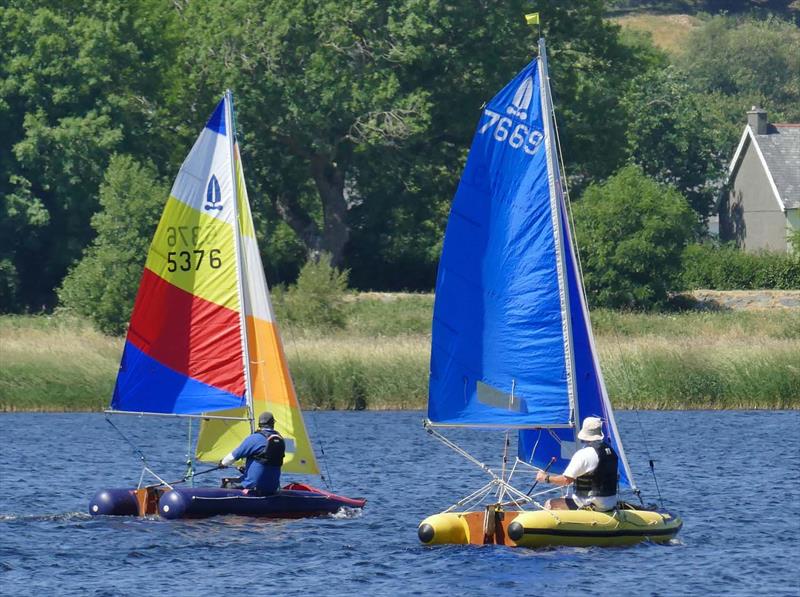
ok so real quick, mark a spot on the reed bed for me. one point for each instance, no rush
(360, 372)
(698, 373)
(55, 364)
(678, 361)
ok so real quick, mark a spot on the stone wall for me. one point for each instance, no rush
(738, 300)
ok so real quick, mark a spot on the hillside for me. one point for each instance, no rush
(668, 31)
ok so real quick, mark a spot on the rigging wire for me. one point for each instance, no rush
(326, 477)
(189, 460)
(652, 464)
(140, 454)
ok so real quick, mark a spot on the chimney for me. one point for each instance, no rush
(757, 119)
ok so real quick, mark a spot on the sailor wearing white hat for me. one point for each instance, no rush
(591, 473)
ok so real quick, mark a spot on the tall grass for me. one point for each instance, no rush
(380, 359)
(669, 32)
(658, 373)
(360, 372)
(55, 363)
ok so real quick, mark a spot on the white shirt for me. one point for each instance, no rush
(585, 461)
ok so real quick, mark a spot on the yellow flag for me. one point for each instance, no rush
(532, 19)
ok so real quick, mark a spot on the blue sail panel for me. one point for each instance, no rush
(498, 346)
(217, 121)
(145, 385)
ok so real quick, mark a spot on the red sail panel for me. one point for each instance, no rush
(188, 334)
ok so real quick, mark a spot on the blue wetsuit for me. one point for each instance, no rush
(257, 475)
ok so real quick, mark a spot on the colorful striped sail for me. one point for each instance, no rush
(202, 338)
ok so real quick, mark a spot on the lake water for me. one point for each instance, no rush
(732, 476)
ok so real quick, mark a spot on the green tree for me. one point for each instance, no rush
(346, 106)
(103, 285)
(80, 80)
(672, 137)
(591, 64)
(631, 232)
(317, 299)
(22, 218)
(316, 82)
(467, 55)
(753, 62)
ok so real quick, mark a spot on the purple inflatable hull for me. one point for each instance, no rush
(293, 501)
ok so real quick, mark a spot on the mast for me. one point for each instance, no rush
(555, 211)
(568, 245)
(240, 269)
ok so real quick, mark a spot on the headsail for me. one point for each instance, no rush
(273, 389)
(512, 345)
(202, 332)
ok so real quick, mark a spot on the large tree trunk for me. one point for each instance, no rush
(329, 179)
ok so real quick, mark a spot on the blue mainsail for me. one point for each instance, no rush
(512, 345)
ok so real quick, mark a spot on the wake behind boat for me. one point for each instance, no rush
(203, 344)
(512, 346)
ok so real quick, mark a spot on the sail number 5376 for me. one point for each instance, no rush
(500, 127)
(192, 260)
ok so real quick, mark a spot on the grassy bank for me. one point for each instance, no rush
(668, 31)
(380, 361)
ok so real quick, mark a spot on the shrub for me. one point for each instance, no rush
(727, 268)
(631, 231)
(317, 299)
(794, 242)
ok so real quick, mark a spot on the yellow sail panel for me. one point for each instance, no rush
(195, 252)
(218, 438)
(246, 218)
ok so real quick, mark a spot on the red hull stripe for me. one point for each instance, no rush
(190, 335)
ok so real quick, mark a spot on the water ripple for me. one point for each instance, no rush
(730, 543)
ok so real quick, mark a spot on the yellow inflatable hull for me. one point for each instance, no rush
(546, 528)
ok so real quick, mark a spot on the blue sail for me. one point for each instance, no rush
(512, 345)
(498, 339)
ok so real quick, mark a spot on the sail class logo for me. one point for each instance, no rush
(522, 99)
(213, 195)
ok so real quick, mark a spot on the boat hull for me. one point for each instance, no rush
(293, 501)
(548, 528)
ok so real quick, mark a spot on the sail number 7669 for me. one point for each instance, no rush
(520, 136)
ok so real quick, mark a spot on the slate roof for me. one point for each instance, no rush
(781, 150)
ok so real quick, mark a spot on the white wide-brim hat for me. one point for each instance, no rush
(591, 430)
